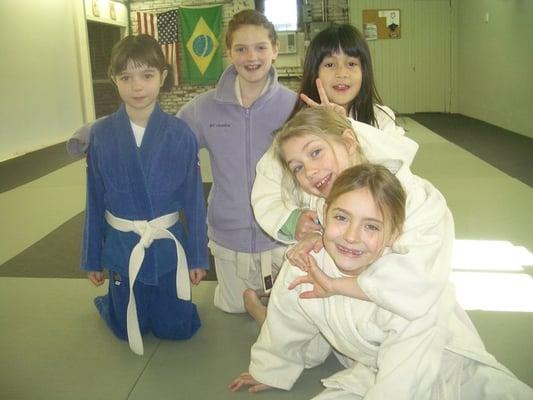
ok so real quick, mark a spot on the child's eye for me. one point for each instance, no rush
(372, 227)
(353, 64)
(123, 78)
(328, 65)
(296, 169)
(340, 217)
(315, 153)
(148, 76)
(240, 49)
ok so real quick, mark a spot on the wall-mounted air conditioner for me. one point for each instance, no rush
(287, 42)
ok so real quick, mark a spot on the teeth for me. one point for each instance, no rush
(321, 183)
(351, 251)
(341, 87)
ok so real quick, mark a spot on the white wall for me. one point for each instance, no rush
(495, 62)
(412, 73)
(43, 96)
(450, 59)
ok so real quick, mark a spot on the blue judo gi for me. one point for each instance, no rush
(160, 177)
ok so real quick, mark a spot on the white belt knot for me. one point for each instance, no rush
(145, 231)
(149, 231)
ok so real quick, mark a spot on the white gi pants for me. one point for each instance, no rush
(237, 272)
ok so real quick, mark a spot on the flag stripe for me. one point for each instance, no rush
(164, 28)
(146, 23)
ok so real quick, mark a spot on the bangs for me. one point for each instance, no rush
(141, 51)
(339, 39)
(139, 60)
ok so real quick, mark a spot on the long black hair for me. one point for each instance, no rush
(331, 40)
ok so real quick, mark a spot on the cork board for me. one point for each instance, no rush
(381, 24)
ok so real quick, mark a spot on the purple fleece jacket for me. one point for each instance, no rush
(236, 137)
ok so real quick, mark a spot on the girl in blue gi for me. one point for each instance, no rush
(142, 172)
(234, 122)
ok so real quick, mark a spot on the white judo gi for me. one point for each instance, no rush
(422, 253)
(437, 356)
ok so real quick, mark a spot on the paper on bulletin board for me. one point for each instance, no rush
(381, 24)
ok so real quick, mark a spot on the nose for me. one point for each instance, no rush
(136, 84)
(340, 71)
(310, 170)
(251, 54)
(352, 233)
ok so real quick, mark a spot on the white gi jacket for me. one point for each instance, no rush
(437, 356)
(422, 253)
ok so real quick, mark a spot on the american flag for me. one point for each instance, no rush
(164, 27)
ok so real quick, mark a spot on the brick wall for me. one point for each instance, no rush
(172, 101)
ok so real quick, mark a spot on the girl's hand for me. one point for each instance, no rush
(245, 379)
(324, 101)
(196, 275)
(322, 283)
(297, 254)
(307, 223)
(96, 277)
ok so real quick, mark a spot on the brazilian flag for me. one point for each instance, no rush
(201, 29)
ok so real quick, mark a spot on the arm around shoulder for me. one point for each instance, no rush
(409, 280)
(78, 143)
(271, 210)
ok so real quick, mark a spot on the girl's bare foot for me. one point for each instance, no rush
(254, 306)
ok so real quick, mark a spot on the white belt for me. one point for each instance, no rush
(149, 231)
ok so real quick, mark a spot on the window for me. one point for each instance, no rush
(283, 14)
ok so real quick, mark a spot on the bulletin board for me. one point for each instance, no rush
(381, 24)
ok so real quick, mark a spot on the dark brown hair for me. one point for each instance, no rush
(141, 50)
(250, 17)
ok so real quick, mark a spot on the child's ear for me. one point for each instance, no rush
(275, 50)
(349, 141)
(163, 77)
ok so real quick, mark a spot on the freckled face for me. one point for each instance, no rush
(315, 162)
(354, 231)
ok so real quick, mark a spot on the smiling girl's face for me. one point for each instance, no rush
(316, 162)
(354, 234)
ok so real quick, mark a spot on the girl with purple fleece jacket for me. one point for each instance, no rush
(235, 123)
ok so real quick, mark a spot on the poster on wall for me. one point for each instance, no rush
(381, 24)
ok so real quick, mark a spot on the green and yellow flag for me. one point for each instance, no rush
(201, 44)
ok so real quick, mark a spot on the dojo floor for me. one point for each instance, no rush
(53, 345)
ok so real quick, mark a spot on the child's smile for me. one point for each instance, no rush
(315, 163)
(354, 231)
(341, 76)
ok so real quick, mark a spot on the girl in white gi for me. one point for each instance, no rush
(234, 122)
(142, 171)
(337, 73)
(438, 356)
